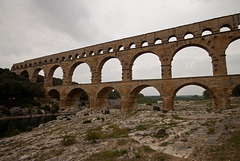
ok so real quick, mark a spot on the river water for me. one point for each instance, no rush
(22, 123)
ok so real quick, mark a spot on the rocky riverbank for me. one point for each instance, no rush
(145, 134)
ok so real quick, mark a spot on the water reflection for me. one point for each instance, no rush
(23, 123)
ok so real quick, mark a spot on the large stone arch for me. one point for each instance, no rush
(51, 72)
(177, 88)
(135, 56)
(73, 97)
(35, 74)
(25, 74)
(53, 94)
(234, 82)
(101, 64)
(188, 46)
(231, 41)
(191, 45)
(72, 69)
(134, 95)
(101, 100)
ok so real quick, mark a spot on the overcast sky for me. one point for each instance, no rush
(35, 28)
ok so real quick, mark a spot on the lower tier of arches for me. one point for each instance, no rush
(219, 87)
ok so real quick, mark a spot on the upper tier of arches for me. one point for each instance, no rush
(173, 35)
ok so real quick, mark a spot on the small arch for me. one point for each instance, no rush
(110, 50)
(104, 96)
(24, 74)
(63, 58)
(172, 38)
(39, 62)
(84, 54)
(225, 29)
(100, 51)
(157, 41)
(30, 64)
(144, 43)
(26, 65)
(51, 60)
(45, 61)
(17, 66)
(57, 60)
(54, 95)
(76, 98)
(132, 46)
(21, 66)
(121, 48)
(77, 56)
(35, 63)
(206, 32)
(188, 35)
(70, 57)
(92, 53)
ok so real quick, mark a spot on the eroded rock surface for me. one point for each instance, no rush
(175, 133)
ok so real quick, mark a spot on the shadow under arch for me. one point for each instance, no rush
(134, 95)
(196, 84)
(235, 96)
(73, 68)
(102, 97)
(146, 53)
(101, 65)
(193, 53)
(54, 95)
(24, 74)
(74, 96)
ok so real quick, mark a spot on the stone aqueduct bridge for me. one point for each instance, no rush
(220, 85)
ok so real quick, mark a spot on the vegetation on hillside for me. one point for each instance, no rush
(18, 91)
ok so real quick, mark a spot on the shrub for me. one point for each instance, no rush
(54, 108)
(29, 128)
(156, 108)
(147, 149)
(87, 121)
(68, 139)
(46, 108)
(141, 128)
(12, 131)
(93, 135)
(177, 117)
(211, 131)
(108, 155)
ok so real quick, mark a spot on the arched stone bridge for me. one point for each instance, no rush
(160, 43)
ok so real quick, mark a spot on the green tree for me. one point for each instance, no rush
(18, 91)
(206, 95)
(114, 95)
